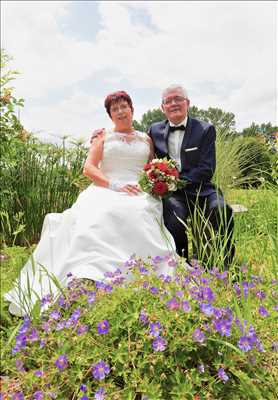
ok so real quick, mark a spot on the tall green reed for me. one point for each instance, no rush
(236, 164)
(38, 179)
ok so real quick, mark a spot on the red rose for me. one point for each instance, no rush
(174, 172)
(162, 167)
(160, 188)
(147, 167)
(152, 175)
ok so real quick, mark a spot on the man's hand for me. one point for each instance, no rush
(96, 133)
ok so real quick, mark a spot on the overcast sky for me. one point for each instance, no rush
(71, 54)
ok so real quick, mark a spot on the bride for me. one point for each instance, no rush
(111, 220)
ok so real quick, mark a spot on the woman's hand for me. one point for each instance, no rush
(132, 190)
(96, 133)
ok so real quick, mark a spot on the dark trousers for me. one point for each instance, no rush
(202, 210)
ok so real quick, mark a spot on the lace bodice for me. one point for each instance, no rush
(124, 156)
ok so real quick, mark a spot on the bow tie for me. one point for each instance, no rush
(177, 128)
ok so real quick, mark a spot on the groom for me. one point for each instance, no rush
(191, 143)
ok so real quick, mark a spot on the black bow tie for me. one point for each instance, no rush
(177, 128)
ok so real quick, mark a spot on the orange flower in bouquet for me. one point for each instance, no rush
(160, 178)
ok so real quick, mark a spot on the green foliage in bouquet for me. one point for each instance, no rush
(196, 335)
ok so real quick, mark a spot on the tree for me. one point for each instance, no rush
(149, 118)
(223, 121)
(10, 126)
(266, 131)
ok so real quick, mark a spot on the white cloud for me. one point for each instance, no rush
(225, 53)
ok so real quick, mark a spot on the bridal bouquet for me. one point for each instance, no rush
(160, 178)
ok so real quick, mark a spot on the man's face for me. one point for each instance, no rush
(175, 106)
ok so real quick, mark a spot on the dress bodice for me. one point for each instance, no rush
(124, 156)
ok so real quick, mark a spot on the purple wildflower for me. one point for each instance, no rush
(60, 325)
(165, 278)
(154, 290)
(82, 329)
(207, 294)
(223, 327)
(100, 369)
(25, 326)
(100, 285)
(38, 395)
(263, 312)
(100, 394)
(157, 259)
(55, 315)
(222, 375)
(245, 343)
(159, 344)
(173, 304)
(186, 306)
(143, 270)
(91, 297)
(155, 328)
(38, 373)
(103, 327)
(83, 388)
(207, 309)
(19, 365)
(198, 336)
(143, 317)
(46, 299)
(172, 262)
(261, 294)
(63, 302)
(21, 341)
(62, 362)
(275, 307)
(33, 336)
(108, 288)
(46, 327)
(84, 397)
(18, 396)
(237, 289)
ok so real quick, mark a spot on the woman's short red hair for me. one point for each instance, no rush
(115, 98)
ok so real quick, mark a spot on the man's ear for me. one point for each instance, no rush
(162, 108)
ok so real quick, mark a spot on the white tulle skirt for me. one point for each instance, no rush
(96, 235)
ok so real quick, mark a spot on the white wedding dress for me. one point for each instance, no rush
(101, 230)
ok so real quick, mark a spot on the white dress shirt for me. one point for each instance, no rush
(174, 143)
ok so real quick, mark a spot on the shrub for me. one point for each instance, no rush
(194, 336)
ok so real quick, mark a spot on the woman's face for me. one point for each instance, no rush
(121, 115)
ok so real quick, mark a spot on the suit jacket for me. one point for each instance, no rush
(197, 153)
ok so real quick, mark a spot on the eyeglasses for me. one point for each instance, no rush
(176, 100)
(122, 107)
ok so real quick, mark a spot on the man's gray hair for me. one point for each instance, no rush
(174, 87)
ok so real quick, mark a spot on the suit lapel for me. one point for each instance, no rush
(185, 141)
(165, 135)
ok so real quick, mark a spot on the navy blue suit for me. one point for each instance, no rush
(197, 169)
